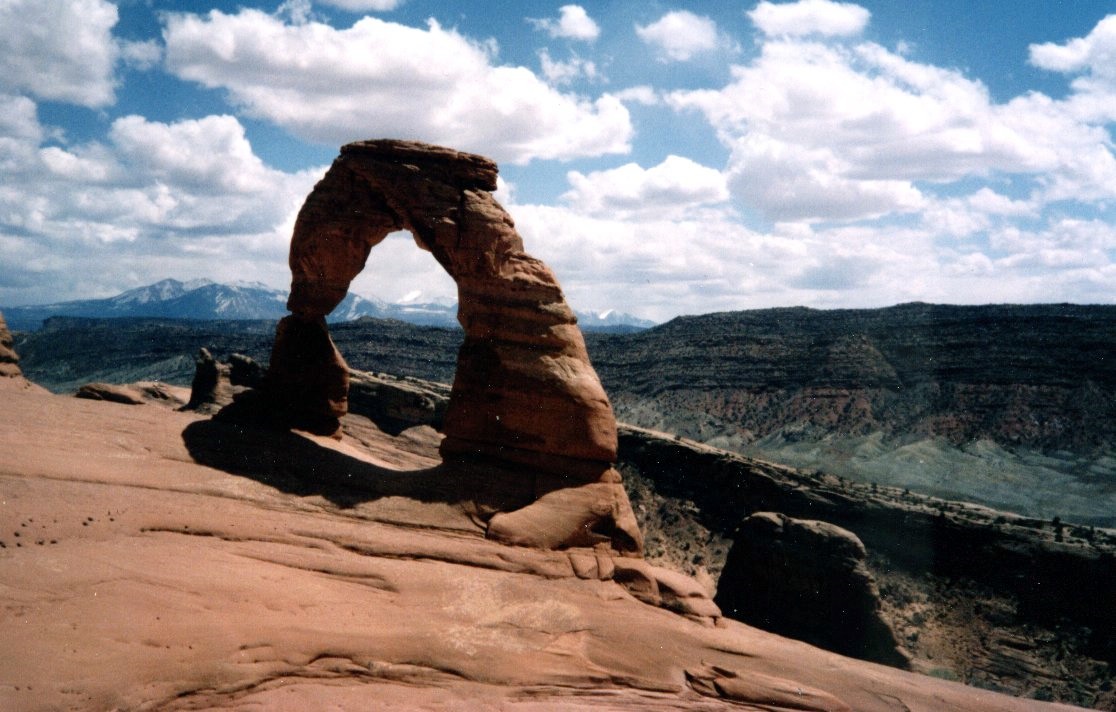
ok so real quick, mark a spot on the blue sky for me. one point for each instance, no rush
(664, 158)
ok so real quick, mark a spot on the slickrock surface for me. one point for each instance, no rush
(150, 559)
(524, 391)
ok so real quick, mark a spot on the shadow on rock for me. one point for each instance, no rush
(297, 465)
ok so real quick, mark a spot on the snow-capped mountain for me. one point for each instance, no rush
(205, 299)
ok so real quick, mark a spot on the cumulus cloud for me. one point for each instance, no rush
(61, 50)
(679, 35)
(572, 23)
(384, 79)
(1089, 52)
(559, 73)
(974, 213)
(821, 131)
(641, 94)
(141, 55)
(659, 266)
(364, 5)
(188, 198)
(809, 17)
(675, 184)
(1093, 56)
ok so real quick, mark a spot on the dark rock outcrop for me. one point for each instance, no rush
(395, 404)
(216, 384)
(807, 580)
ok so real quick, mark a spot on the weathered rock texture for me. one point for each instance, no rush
(135, 393)
(9, 359)
(807, 580)
(216, 384)
(524, 391)
(362, 589)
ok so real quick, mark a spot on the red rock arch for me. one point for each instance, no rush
(524, 391)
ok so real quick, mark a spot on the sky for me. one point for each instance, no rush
(663, 158)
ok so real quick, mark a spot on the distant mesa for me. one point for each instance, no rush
(524, 394)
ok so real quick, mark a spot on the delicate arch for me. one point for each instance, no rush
(524, 389)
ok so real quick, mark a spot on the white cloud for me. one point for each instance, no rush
(676, 184)
(818, 130)
(679, 35)
(1090, 52)
(364, 5)
(791, 181)
(381, 79)
(641, 94)
(559, 73)
(59, 50)
(141, 55)
(184, 199)
(1094, 93)
(974, 213)
(808, 17)
(20, 133)
(572, 23)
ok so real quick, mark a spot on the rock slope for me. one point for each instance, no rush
(157, 560)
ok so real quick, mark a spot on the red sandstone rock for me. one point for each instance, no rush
(153, 559)
(9, 359)
(524, 391)
(11, 376)
(523, 380)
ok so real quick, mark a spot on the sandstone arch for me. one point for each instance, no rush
(524, 390)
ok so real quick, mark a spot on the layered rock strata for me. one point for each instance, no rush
(524, 392)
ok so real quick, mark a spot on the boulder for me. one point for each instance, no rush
(807, 580)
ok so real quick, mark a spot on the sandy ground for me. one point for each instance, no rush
(154, 560)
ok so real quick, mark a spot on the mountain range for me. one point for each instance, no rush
(204, 299)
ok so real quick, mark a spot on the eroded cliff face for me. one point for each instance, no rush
(524, 394)
(1035, 375)
(1010, 406)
